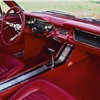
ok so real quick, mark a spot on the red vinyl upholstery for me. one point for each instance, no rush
(9, 65)
(41, 89)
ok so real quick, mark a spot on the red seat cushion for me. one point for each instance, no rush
(41, 89)
(9, 65)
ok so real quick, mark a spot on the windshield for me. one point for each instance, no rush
(3, 6)
(80, 8)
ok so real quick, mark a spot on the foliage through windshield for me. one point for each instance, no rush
(80, 8)
(3, 6)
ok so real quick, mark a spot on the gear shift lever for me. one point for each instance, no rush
(52, 51)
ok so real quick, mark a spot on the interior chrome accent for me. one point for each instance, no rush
(12, 38)
(89, 39)
(64, 53)
(60, 59)
(52, 57)
(19, 54)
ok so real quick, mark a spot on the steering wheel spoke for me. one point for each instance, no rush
(13, 38)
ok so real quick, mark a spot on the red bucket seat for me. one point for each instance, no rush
(9, 65)
(41, 89)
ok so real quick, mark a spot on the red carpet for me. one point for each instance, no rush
(82, 79)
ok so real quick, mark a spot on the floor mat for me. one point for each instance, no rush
(82, 79)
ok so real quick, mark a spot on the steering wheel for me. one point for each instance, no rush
(18, 27)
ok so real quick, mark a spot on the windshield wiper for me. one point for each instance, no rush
(60, 13)
(95, 20)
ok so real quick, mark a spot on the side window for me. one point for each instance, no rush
(4, 7)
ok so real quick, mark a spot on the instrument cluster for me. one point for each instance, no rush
(39, 26)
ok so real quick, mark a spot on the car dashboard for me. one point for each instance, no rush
(52, 46)
(84, 34)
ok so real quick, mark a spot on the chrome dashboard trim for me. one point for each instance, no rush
(83, 42)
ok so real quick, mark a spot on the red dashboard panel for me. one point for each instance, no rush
(83, 26)
(69, 25)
